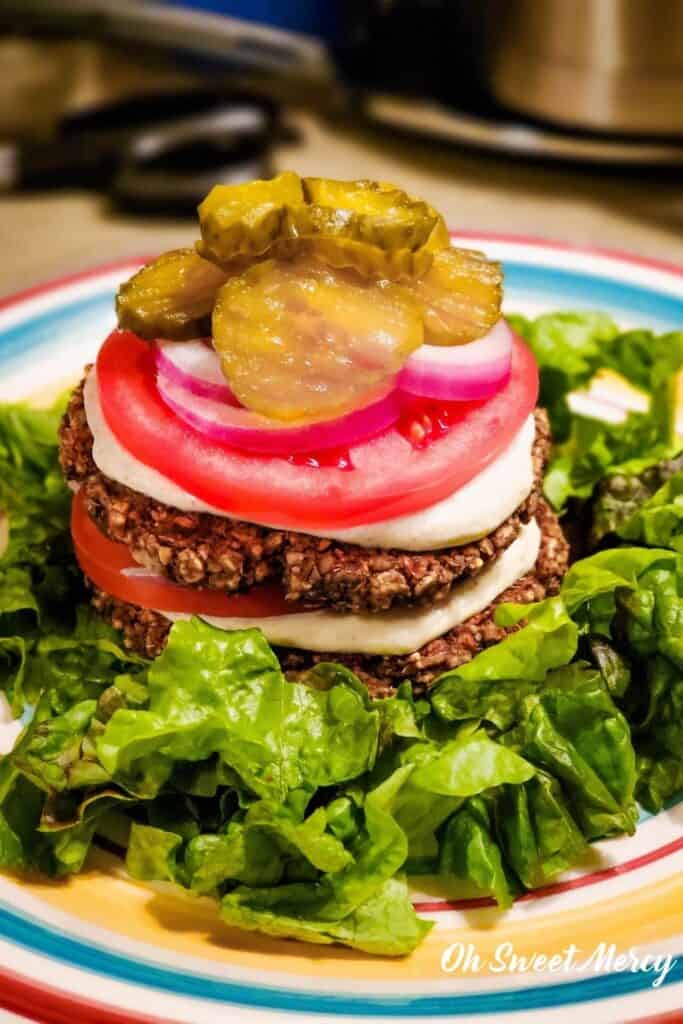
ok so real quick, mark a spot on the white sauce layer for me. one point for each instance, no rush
(394, 632)
(470, 513)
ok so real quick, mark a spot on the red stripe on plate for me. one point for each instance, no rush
(491, 236)
(62, 282)
(48, 1005)
(674, 1017)
(435, 906)
(588, 250)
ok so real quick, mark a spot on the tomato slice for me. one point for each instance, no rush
(388, 475)
(103, 561)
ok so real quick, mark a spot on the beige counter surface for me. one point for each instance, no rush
(46, 235)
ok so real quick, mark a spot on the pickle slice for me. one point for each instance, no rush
(245, 220)
(301, 341)
(364, 211)
(461, 294)
(372, 262)
(369, 261)
(371, 227)
(170, 298)
(439, 238)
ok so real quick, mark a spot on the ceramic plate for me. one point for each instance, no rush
(102, 948)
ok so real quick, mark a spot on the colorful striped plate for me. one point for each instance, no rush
(102, 948)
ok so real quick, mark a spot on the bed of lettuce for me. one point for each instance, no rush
(301, 805)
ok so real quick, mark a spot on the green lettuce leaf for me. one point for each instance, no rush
(81, 664)
(647, 360)
(22, 846)
(260, 847)
(589, 588)
(213, 692)
(26, 844)
(491, 684)
(51, 749)
(660, 776)
(238, 854)
(32, 490)
(560, 719)
(632, 600)
(597, 449)
(152, 853)
(401, 716)
(42, 643)
(363, 904)
(569, 348)
(308, 838)
(70, 846)
(469, 850)
(385, 924)
(537, 832)
(433, 779)
(419, 813)
(659, 521)
(614, 667)
(618, 498)
(572, 729)
(468, 765)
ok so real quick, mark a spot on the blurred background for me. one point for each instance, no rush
(540, 117)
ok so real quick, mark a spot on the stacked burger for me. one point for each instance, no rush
(315, 423)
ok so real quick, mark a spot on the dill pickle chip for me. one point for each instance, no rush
(171, 297)
(461, 294)
(302, 341)
(370, 261)
(364, 211)
(394, 264)
(372, 227)
(245, 220)
(439, 238)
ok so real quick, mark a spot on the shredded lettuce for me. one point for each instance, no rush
(659, 521)
(300, 804)
(642, 507)
(570, 349)
(628, 603)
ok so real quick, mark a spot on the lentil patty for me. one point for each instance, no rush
(146, 631)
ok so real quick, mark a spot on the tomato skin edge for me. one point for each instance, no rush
(102, 561)
(265, 490)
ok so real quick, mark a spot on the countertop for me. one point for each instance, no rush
(45, 235)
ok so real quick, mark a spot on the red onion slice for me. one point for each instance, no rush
(142, 573)
(241, 428)
(194, 365)
(460, 372)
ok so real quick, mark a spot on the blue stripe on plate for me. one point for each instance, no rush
(521, 279)
(45, 328)
(565, 286)
(585, 289)
(38, 938)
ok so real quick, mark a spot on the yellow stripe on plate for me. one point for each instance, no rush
(188, 925)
